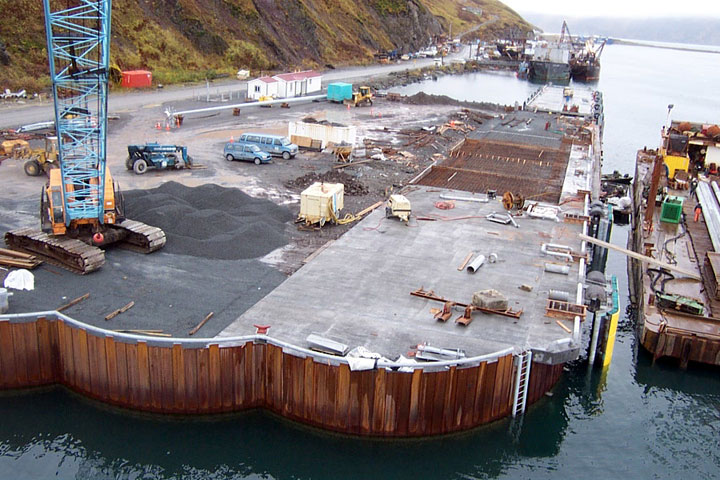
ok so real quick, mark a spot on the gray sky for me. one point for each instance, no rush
(615, 8)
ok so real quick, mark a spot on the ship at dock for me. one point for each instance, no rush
(675, 271)
(585, 62)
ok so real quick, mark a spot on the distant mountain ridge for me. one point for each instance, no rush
(181, 40)
(692, 30)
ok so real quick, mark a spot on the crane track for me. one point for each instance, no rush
(69, 253)
(141, 237)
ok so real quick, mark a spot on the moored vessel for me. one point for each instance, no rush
(676, 228)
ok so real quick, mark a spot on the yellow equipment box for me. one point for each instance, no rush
(321, 202)
(676, 163)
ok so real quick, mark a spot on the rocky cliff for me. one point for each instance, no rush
(181, 40)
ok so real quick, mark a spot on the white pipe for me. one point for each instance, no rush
(475, 264)
(544, 249)
(465, 199)
(594, 340)
(251, 104)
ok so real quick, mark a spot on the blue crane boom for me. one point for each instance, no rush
(78, 43)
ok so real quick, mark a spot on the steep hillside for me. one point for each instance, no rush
(182, 40)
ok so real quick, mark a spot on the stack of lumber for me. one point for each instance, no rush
(11, 258)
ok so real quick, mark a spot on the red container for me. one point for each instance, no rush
(136, 79)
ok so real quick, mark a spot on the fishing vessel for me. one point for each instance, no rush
(675, 275)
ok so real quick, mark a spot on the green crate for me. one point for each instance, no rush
(671, 209)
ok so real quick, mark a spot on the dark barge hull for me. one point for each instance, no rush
(543, 72)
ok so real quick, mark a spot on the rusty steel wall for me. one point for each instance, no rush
(165, 377)
(479, 165)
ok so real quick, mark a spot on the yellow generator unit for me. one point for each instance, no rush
(321, 202)
(398, 206)
(675, 163)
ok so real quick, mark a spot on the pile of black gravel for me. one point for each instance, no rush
(352, 185)
(210, 221)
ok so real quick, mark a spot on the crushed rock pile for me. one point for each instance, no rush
(353, 187)
(210, 221)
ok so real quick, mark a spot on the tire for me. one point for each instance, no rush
(286, 155)
(129, 163)
(32, 168)
(140, 166)
(229, 157)
(189, 160)
(257, 161)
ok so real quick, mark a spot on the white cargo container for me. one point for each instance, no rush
(321, 202)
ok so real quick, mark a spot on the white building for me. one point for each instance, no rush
(285, 85)
(262, 87)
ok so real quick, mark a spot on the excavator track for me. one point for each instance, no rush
(68, 253)
(141, 237)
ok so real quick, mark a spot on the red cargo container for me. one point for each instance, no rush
(136, 79)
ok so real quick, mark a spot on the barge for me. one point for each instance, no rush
(675, 225)
(380, 333)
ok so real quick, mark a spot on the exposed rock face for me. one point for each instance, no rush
(173, 37)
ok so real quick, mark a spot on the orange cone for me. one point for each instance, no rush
(167, 127)
(232, 139)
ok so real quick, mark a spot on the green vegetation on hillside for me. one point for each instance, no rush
(187, 40)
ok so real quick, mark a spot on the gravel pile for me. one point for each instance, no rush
(210, 221)
(352, 185)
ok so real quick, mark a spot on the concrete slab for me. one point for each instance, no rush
(357, 291)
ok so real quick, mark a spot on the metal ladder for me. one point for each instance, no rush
(522, 377)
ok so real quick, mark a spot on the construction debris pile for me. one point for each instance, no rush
(210, 221)
(352, 185)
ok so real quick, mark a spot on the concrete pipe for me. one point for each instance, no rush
(561, 295)
(475, 264)
(555, 268)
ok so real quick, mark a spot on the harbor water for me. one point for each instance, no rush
(634, 420)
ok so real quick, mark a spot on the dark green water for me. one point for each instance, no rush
(637, 420)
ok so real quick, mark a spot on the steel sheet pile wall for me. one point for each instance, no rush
(172, 378)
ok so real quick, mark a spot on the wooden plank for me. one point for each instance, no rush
(277, 380)
(441, 381)
(167, 391)
(214, 397)
(289, 384)
(45, 350)
(56, 362)
(123, 380)
(308, 387)
(248, 376)
(99, 375)
(190, 363)
(18, 341)
(353, 425)
(390, 407)
(143, 370)
(478, 406)
(470, 384)
(367, 392)
(8, 367)
(413, 410)
(178, 378)
(450, 396)
(488, 392)
(259, 380)
(82, 362)
(226, 378)
(67, 359)
(425, 403)
(32, 352)
(134, 395)
(203, 380)
(329, 410)
(378, 399)
(239, 399)
(73, 302)
(155, 378)
(111, 369)
(319, 393)
(342, 400)
(92, 364)
(403, 382)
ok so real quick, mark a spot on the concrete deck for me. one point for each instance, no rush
(551, 99)
(357, 291)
